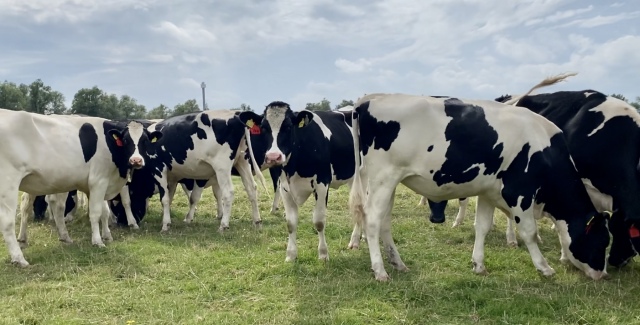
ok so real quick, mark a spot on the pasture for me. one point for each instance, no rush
(194, 275)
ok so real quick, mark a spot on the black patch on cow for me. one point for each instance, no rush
(431, 171)
(88, 141)
(70, 202)
(378, 134)
(503, 98)
(39, 208)
(430, 148)
(204, 118)
(517, 219)
(471, 141)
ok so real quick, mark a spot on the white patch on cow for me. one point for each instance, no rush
(588, 93)
(602, 202)
(275, 115)
(614, 107)
(135, 132)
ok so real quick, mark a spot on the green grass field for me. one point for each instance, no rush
(194, 275)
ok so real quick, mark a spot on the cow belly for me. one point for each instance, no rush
(427, 187)
(601, 201)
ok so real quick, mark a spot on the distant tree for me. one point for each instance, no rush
(159, 112)
(189, 106)
(619, 96)
(343, 104)
(636, 104)
(323, 105)
(243, 108)
(90, 101)
(11, 97)
(128, 108)
(43, 100)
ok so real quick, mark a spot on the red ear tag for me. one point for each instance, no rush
(118, 140)
(634, 232)
(255, 129)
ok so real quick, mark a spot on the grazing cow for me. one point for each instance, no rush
(66, 203)
(603, 135)
(54, 154)
(314, 150)
(197, 146)
(447, 148)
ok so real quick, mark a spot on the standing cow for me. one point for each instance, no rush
(447, 148)
(198, 146)
(54, 154)
(314, 150)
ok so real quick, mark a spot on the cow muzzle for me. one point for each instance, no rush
(136, 162)
(274, 158)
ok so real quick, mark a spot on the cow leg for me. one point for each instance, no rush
(26, 206)
(528, 230)
(376, 209)
(291, 214)
(226, 196)
(72, 199)
(275, 178)
(194, 198)
(166, 197)
(126, 203)
(621, 251)
(484, 217)
(462, 212)
(96, 201)
(250, 186)
(217, 194)
(106, 232)
(565, 240)
(423, 201)
(56, 204)
(8, 203)
(356, 234)
(387, 239)
(319, 219)
(511, 234)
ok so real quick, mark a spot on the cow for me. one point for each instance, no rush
(54, 154)
(314, 150)
(603, 136)
(199, 146)
(447, 148)
(66, 203)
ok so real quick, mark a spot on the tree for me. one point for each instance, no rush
(323, 105)
(343, 104)
(243, 108)
(620, 96)
(189, 106)
(89, 101)
(11, 97)
(160, 112)
(636, 104)
(43, 100)
(128, 108)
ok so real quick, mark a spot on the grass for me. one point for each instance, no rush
(194, 275)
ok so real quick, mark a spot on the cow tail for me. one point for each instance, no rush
(544, 83)
(253, 161)
(357, 194)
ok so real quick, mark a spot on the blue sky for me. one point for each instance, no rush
(258, 51)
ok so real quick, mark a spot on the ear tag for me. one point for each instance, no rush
(589, 225)
(255, 129)
(154, 139)
(634, 232)
(301, 124)
(118, 141)
(250, 123)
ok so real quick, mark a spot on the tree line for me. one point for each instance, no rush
(40, 98)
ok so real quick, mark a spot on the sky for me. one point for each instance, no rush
(301, 51)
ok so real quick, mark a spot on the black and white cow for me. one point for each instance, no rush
(66, 203)
(202, 146)
(603, 136)
(54, 154)
(447, 148)
(315, 150)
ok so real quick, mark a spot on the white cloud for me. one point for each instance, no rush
(602, 20)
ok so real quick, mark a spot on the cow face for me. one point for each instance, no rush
(589, 243)
(278, 129)
(134, 142)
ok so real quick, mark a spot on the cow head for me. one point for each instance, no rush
(133, 141)
(277, 127)
(589, 243)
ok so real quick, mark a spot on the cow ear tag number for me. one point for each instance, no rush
(118, 140)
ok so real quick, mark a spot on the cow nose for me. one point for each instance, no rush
(273, 157)
(136, 161)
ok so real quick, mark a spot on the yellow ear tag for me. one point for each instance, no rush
(154, 139)
(301, 124)
(250, 123)
(590, 220)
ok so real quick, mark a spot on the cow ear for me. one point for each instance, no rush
(116, 137)
(155, 136)
(249, 118)
(303, 118)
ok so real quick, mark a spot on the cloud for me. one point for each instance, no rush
(602, 20)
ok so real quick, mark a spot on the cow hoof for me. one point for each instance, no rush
(382, 277)
(324, 258)
(66, 240)
(274, 211)
(23, 244)
(564, 260)
(108, 238)
(539, 239)
(222, 229)
(99, 244)
(187, 220)
(512, 244)
(400, 267)
(548, 272)
(68, 219)
(353, 246)
(455, 224)
(134, 226)
(20, 262)
(291, 256)
(258, 224)
(165, 228)
(479, 269)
